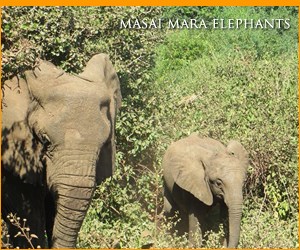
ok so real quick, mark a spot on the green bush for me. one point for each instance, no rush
(124, 211)
(53, 34)
(240, 84)
(261, 230)
(251, 98)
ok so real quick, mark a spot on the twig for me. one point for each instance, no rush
(24, 230)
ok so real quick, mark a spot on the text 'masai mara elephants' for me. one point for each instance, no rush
(58, 134)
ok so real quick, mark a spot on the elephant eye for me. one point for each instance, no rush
(219, 183)
(45, 139)
(231, 153)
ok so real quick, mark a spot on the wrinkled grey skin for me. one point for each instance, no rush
(203, 182)
(57, 144)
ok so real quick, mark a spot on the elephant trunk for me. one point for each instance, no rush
(73, 188)
(235, 215)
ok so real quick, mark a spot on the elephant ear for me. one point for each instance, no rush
(191, 177)
(236, 149)
(100, 69)
(42, 78)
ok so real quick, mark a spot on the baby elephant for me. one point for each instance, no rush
(203, 182)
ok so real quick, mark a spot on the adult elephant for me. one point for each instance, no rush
(203, 181)
(58, 137)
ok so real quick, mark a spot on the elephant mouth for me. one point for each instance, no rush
(220, 196)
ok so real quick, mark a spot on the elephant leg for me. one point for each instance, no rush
(216, 216)
(167, 203)
(170, 209)
(197, 223)
(195, 232)
(225, 222)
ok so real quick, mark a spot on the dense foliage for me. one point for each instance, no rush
(239, 83)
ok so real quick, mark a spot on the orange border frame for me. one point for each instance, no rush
(163, 3)
(149, 3)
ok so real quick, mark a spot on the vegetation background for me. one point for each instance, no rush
(239, 83)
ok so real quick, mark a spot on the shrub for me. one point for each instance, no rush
(241, 85)
(252, 98)
(260, 230)
(124, 212)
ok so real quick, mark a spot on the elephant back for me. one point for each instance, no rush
(208, 143)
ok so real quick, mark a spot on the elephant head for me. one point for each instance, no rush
(73, 118)
(225, 172)
(208, 170)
